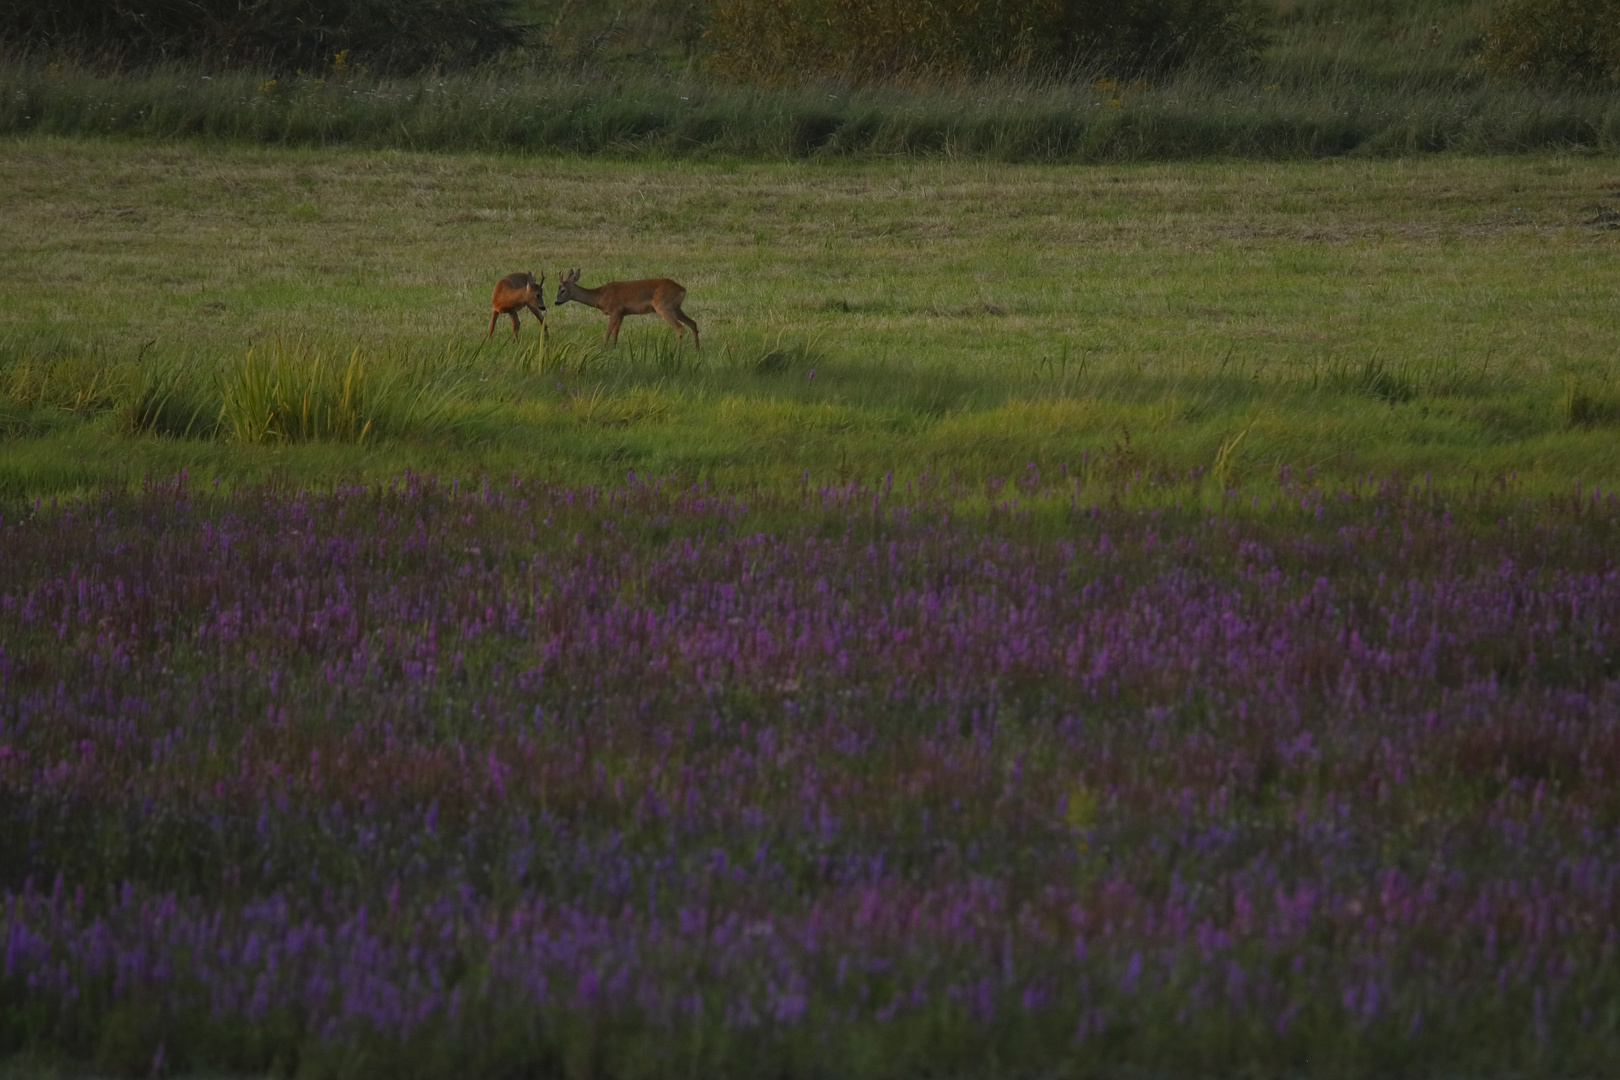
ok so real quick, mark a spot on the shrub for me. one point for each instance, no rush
(395, 35)
(1563, 41)
(1161, 34)
(776, 40)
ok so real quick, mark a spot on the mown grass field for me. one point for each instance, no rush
(1455, 317)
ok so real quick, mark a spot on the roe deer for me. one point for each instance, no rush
(513, 293)
(617, 299)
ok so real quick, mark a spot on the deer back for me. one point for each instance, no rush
(639, 297)
(517, 290)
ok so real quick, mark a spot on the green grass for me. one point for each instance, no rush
(1153, 324)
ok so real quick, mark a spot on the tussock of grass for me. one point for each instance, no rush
(780, 357)
(174, 397)
(78, 384)
(640, 406)
(289, 394)
(1589, 404)
(274, 394)
(769, 419)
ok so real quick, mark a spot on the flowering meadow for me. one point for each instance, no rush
(891, 780)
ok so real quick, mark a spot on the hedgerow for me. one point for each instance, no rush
(388, 35)
(779, 40)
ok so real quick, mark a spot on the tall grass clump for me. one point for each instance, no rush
(1587, 404)
(75, 382)
(286, 393)
(172, 396)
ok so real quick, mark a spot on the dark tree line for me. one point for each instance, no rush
(387, 35)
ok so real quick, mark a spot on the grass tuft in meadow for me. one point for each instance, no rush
(286, 393)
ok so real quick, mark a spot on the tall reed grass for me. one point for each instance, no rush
(287, 393)
(279, 394)
(171, 397)
(1301, 106)
(283, 392)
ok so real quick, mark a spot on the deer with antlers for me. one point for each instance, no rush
(617, 299)
(513, 293)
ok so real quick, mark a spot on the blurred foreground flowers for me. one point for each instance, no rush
(865, 781)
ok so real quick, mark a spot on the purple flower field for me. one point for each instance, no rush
(862, 782)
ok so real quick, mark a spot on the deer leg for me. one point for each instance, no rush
(613, 329)
(669, 317)
(492, 317)
(696, 344)
(513, 313)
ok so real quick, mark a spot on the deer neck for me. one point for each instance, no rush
(583, 295)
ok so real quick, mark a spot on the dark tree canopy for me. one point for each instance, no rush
(390, 35)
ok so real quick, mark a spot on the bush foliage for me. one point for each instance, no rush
(389, 35)
(1563, 41)
(773, 40)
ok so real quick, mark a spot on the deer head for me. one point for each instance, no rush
(566, 281)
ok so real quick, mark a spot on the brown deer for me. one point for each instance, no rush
(513, 293)
(617, 299)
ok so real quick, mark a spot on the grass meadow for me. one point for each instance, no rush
(1441, 316)
(1069, 621)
